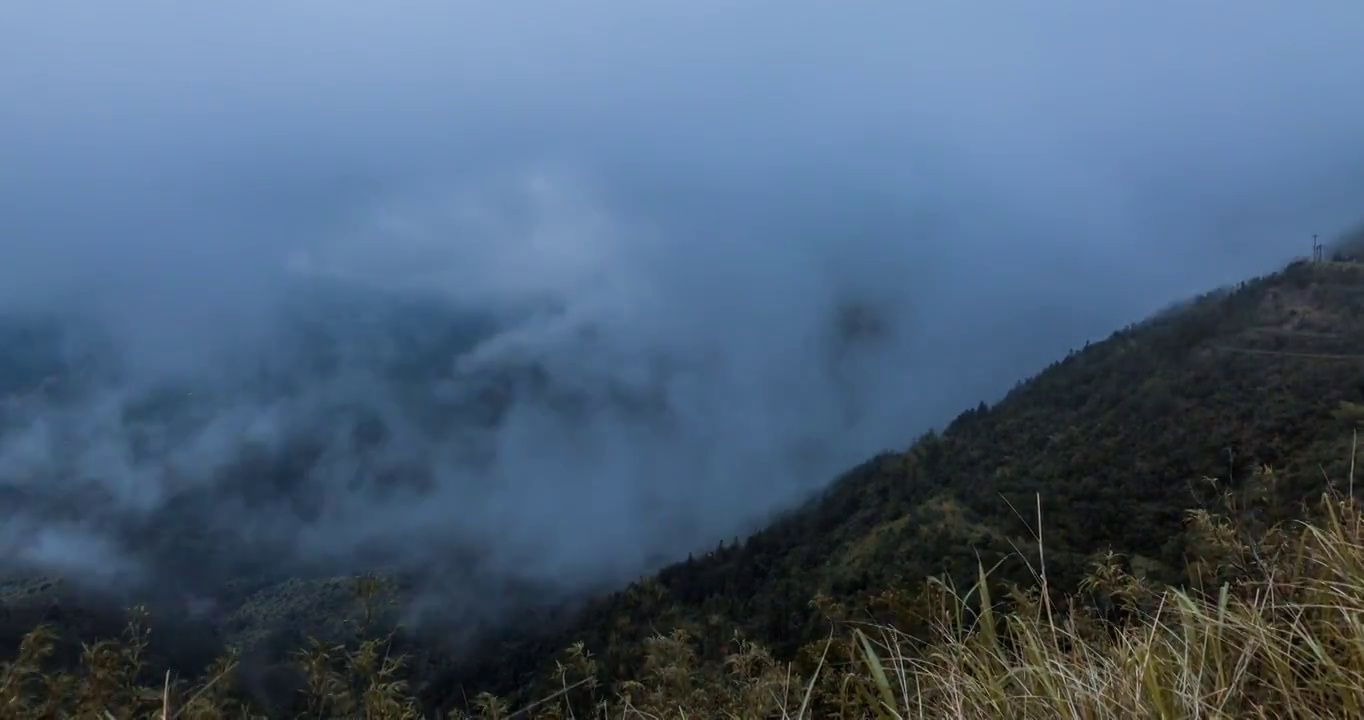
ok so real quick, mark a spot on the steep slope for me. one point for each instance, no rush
(1116, 442)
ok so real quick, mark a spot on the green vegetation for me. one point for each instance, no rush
(1138, 531)
(1117, 439)
(1276, 632)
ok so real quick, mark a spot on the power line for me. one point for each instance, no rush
(1295, 333)
(1284, 353)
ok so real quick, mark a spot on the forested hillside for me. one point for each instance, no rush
(1116, 442)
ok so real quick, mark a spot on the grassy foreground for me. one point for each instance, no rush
(1271, 625)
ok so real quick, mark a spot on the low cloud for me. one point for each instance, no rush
(567, 294)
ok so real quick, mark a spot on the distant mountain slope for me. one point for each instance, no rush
(1116, 441)
(345, 369)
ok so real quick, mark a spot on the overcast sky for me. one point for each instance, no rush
(999, 181)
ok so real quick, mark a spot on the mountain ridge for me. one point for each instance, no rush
(1214, 389)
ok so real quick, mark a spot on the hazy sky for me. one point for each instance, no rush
(999, 181)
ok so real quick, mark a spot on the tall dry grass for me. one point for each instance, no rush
(1283, 639)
